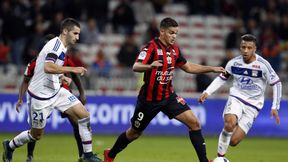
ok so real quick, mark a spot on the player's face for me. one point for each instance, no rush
(248, 50)
(168, 35)
(73, 35)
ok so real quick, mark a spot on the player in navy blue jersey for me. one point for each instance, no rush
(158, 60)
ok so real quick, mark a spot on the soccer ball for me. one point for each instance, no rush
(220, 159)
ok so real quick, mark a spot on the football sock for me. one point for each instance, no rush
(223, 142)
(30, 148)
(199, 144)
(21, 139)
(119, 145)
(85, 134)
(77, 138)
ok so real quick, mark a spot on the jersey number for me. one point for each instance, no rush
(38, 116)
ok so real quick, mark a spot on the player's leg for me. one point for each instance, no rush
(143, 114)
(68, 103)
(177, 108)
(244, 125)
(195, 133)
(232, 112)
(30, 150)
(77, 136)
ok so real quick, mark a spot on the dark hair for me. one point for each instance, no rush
(168, 22)
(68, 24)
(249, 38)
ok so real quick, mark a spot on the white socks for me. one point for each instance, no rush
(223, 142)
(21, 139)
(85, 134)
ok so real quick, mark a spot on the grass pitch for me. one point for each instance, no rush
(62, 148)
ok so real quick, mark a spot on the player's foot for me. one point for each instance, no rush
(92, 158)
(106, 157)
(8, 152)
(29, 158)
(210, 160)
(81, 159)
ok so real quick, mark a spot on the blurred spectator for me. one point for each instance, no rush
(4, 53)
(123, 18)
(128, 52)
(152, 31)
(229, 54)
(99, 10)
(76, 57)
(144, 11)
(159, 4)
(33, 44)
(252, 27)
(232, 40)
(55, 24)
(89, 32)
(202, 80)
(102, 66)
(270, 47)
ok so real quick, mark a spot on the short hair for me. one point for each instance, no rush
(168, 22)
(68, 24)
(249, 38)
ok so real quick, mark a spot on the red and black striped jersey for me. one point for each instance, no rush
(29, 72)
(158, 81)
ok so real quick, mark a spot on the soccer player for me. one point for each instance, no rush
(46, 93)
(158, 60)
(251, 73)
(24, 86)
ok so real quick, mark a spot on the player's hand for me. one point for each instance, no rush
(156, 64)
(274, 113)
(79, 70)
(18, 105)
(202, 97)
(82, 99)
(66, 80)
(219, 69)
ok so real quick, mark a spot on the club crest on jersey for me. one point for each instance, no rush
(159, 51)
(180, 100)
(254, 73)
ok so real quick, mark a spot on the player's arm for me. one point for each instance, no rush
(277, 93)
(196, 68)
(140, 67)
(214, 86)
(80, 88)
(23, 88)
(52, 68)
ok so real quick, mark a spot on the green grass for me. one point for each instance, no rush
(62, 148)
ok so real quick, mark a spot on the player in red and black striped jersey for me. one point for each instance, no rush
(28, 74)
(158, 60)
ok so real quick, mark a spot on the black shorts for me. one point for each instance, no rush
(145, 111)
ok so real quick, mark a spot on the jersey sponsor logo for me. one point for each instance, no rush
(246, 72)
(256, 66)
(164, 77)
(142, 55)
(159, 51)
(246, 83)
(237, 64)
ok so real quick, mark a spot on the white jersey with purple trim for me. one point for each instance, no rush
(44, 85)
(250, 80)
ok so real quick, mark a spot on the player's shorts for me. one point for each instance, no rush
(41, 109)
(246, 114)
(145, 111)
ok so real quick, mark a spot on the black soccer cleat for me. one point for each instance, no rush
(8, 152)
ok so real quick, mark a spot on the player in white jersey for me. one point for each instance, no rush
(46, 93)
(251, 73)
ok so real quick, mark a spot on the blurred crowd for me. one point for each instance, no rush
(24, 22)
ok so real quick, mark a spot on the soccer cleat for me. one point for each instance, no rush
(8, 152)
(81, 159)
(106, 157)
(29, 158)
(92, 158)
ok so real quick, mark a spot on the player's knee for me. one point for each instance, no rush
(194, 125)
(234, 142)
(133, 134)
(229, 126)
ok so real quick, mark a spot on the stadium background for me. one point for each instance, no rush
(112, 30)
